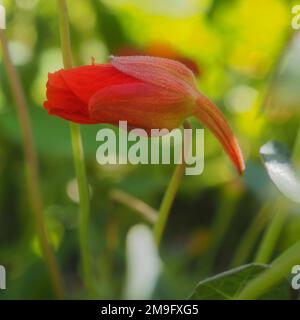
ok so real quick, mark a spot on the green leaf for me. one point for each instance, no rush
(276, 158)
(227, 285)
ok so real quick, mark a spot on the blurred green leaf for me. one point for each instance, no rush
(276, 158)
(227, 285)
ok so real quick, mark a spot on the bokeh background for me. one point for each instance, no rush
(246, 57)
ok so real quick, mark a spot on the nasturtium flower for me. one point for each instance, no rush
(147, 92)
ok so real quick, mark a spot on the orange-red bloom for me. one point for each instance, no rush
(147, 92)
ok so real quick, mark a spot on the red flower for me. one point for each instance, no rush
(147, 92)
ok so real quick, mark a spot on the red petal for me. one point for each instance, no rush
(60, 97)
(169, 74)
(71, 116)
(214, 120)
(141, 104)
(85, 81)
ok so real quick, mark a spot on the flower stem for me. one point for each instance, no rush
(78, 156)
(272, 233)
(32, 170)
(168, 198)
(64, 30)
(84, 205)
(142, 208)
(279, 270)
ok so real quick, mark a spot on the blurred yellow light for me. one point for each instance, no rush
(240, 98)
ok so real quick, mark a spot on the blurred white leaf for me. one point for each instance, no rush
(143, 263)
(276, 159)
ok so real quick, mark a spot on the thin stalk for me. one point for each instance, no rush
(78, 156)
(250, 237)
(272, 233)
(279, 270)
(142, 208)
(32, 170)
(168, 199)
(84, 206)
(64, 31)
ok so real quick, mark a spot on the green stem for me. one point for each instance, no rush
(84, 205)
(64, 30)
(78, 156)
(279, 270)
(168, 199)
(142, 208)
(32, 170)
(250, 237)
(272, 233)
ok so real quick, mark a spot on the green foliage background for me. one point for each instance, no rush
(244, 54)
